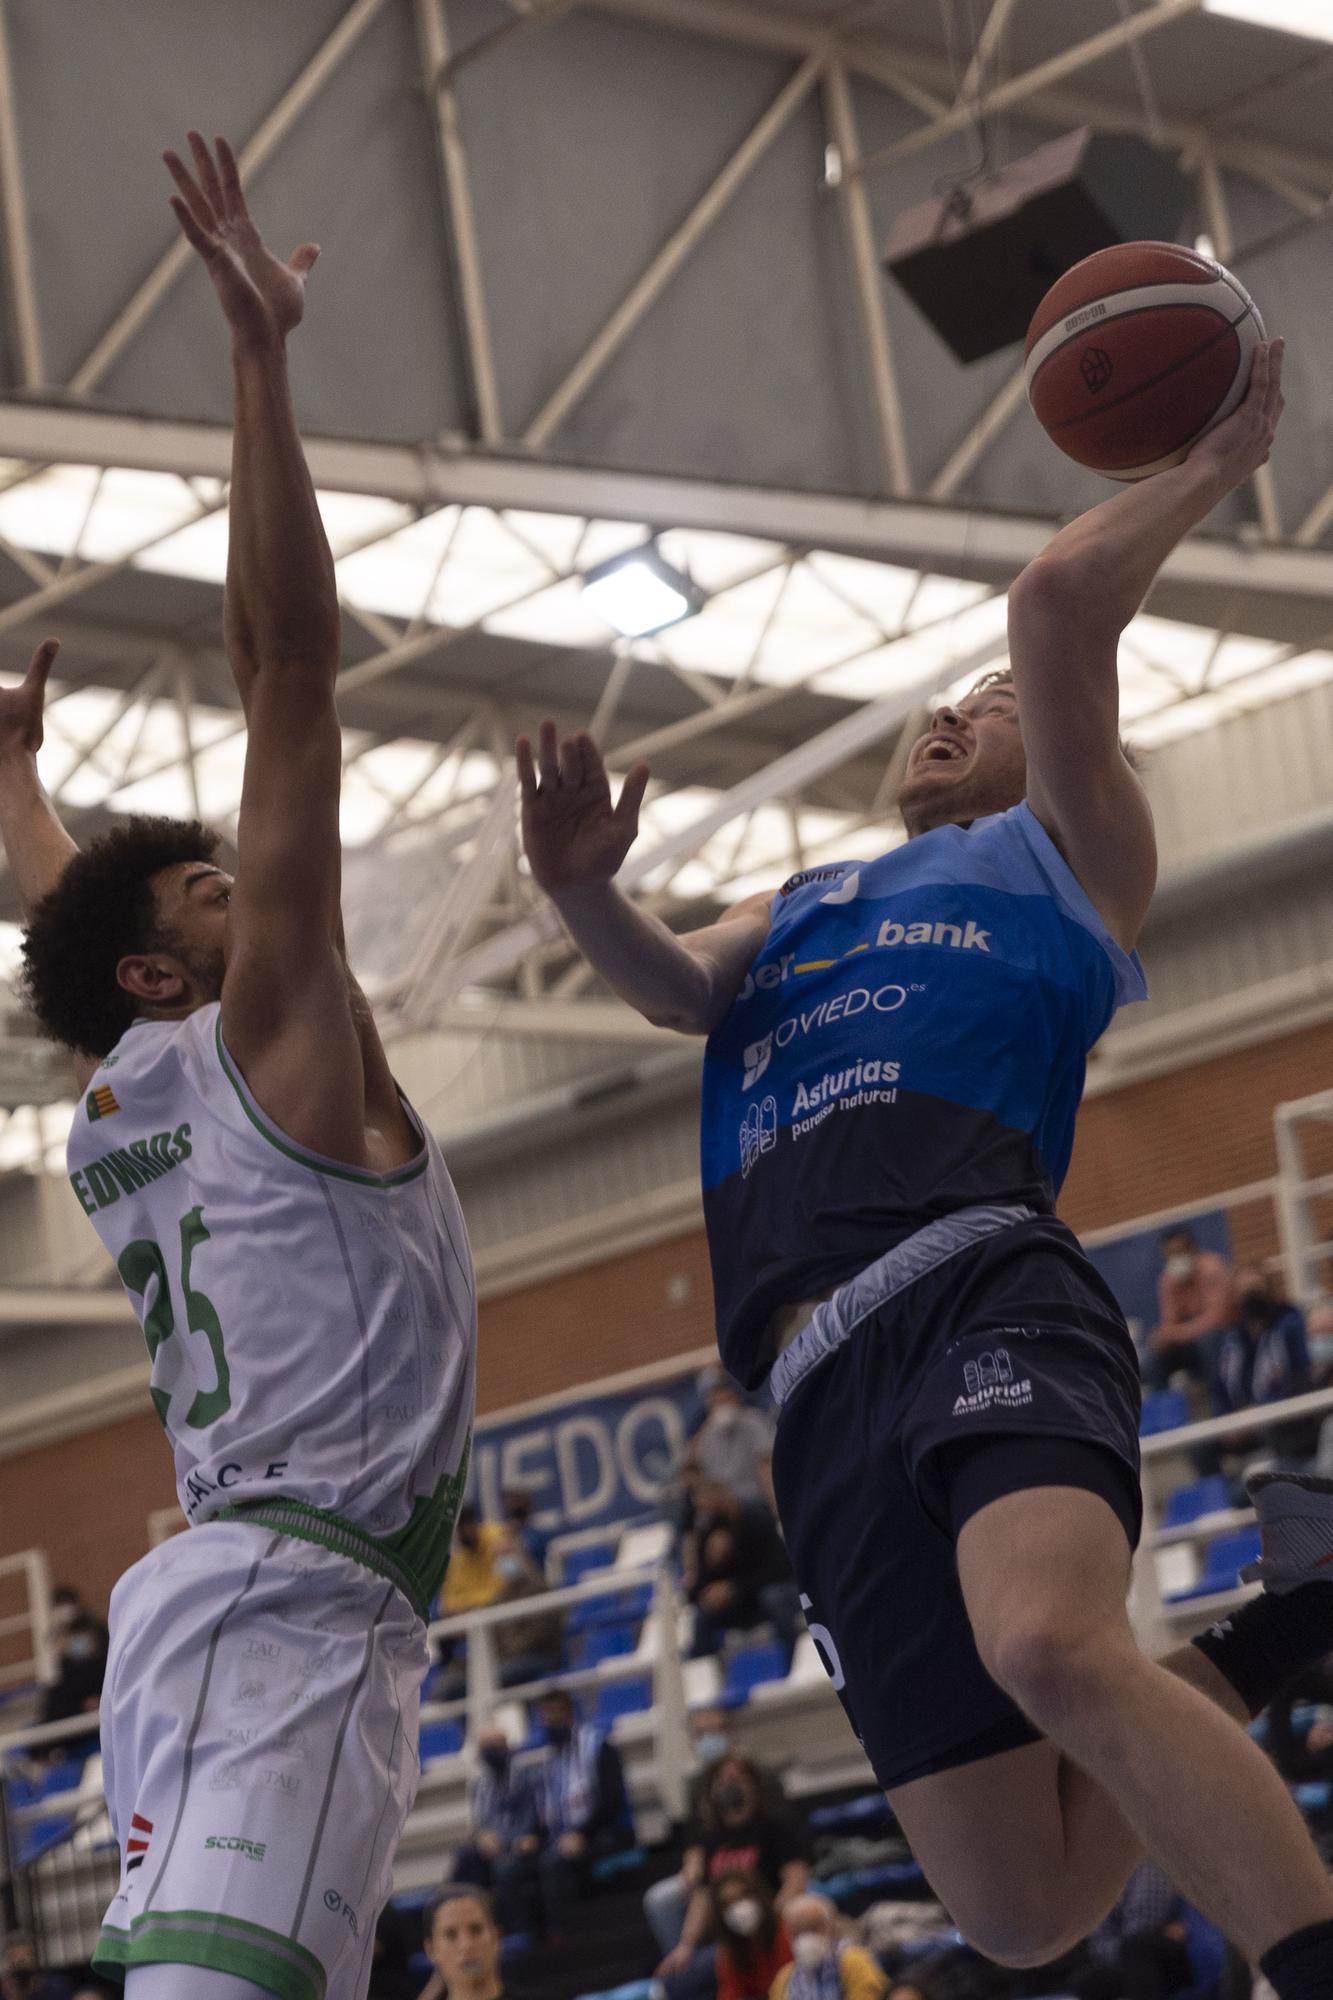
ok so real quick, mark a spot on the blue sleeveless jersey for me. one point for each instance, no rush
(911, 1039)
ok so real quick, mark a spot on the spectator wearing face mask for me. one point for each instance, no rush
(585, 1807)
(743, 1574)
(752, 1943)
(826, 1965)
(21, 1978)
(506, 1833)
(737, 1834)
(1263, 1358)
(472, 1580)
(517, 1507)
(1195, 1306)
(733, 1446)
(526, 1649)
(713, 1737)
(81, 1641)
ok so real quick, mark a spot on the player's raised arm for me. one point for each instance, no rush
(1066, 614)
(575, 840)
(37, 846)
(284, 1004)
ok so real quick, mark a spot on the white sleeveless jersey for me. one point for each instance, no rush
(311, 1326)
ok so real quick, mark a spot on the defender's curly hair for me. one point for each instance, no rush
(99, 912)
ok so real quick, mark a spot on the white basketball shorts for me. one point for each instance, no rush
(259, 1736)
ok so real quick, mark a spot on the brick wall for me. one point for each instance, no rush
(1152, 1146)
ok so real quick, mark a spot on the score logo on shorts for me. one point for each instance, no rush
(234, 1843)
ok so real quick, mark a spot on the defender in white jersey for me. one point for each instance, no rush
(289, 1237)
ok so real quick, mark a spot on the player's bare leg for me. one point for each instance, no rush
(1043, 1574)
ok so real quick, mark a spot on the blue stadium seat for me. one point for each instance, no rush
(608, 1642)
(623, 1698)
(1314, 1797)
(1224, 1557)
(577, 1562)
(609, 1867)
(750, 1667)
(440, 1739)
(1163, 1410)
(1192, 1502)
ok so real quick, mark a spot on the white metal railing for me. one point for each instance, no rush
(34, 1619)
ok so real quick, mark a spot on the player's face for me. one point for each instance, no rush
(193, 899)
(970, 762)
(464, 1944)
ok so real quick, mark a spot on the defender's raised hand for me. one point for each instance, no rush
(21, 707)
(262, 297)
(573, 836)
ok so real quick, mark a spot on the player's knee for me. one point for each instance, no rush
(1027, 1929)
(1045, 1663)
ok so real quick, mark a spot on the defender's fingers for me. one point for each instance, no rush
(207, 172)
(302, 261)
(571, 764)
(195, 199)
(631, 794)
(590, 758)
(230, 175)
(548, 762)
(39, 666)
(200, 238)
(527, 770)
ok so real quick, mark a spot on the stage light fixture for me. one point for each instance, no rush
(640, 593)
(1312, 18)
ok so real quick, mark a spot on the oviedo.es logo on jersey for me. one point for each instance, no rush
(841, 1007)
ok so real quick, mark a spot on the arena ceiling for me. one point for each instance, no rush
(591, 272)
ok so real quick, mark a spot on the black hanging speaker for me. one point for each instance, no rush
(979, 260)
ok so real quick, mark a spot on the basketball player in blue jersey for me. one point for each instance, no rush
(895, 1055)
(288, 1235)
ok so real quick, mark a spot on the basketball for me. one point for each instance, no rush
(1136, 353)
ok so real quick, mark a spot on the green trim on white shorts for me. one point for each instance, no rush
(221, 1944)
(331, 1531)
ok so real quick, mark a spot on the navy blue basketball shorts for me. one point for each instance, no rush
(998, 1361)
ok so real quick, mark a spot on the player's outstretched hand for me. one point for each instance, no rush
(21, 707)
(262, 297)
(1240, 445)
(573, 836)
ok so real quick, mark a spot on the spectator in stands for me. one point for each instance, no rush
(505, 1837)
(21, 1978)
(828, 1966)
(463, 1944)
(1263, 1357)
(584, 1806)
(733, 1446)
(517, 1507)
(526, 1649)
(82, 1643)
(735, 1832)
(472, 1580)
(752, 1943)
(713, 1735)
(1195, 1306)
(1138, 1952)
(741, 1575)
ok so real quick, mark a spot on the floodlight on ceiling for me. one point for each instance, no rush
(1312, 18)
(640, 593)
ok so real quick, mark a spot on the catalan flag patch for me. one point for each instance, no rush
(102, 1102)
